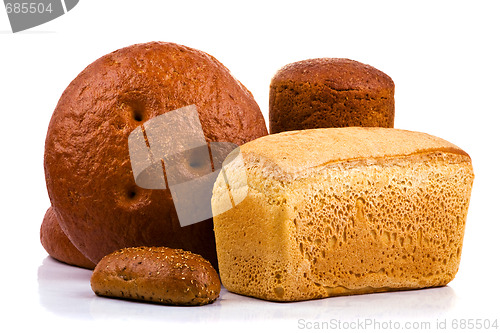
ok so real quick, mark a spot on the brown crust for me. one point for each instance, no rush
(157, 274)
(337, 73)
(297, 152)
(330, 92)
(57, 244)
(87, 166)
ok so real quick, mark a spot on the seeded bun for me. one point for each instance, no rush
(330, 92)
(156, 274)
(87, 165)
(57, 244)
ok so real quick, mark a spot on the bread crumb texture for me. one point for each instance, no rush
(334, 221)
(156, 274)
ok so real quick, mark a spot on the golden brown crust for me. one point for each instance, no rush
(87, 165)
(330, 92)
(57, 244)
(342, 211)
(298, 151)
(156, 274)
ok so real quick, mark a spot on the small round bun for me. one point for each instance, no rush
(156, 274)
(330, 92)
(87, 164)
(57, 244)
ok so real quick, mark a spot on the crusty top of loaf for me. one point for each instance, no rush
(295, 151)
(338, 73)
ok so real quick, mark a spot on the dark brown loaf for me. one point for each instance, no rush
(330, 92)
(87, 165)
(156, 274)
(57, 244)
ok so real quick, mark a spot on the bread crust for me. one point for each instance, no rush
(343, 211)
(292, 153)
(156, 274)
(57, 244)
(87, 165)
(330, 92)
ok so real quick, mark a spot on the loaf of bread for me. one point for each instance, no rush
(330, 92)
(341, 211)
(88, 169)
(57, 244)
(156, 274)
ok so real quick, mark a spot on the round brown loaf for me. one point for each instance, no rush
(87, 164)
(57, 244)
(156, 274)
(330, 92)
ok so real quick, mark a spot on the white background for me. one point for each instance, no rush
(443, 57)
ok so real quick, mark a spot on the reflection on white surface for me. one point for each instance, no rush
(65, 291)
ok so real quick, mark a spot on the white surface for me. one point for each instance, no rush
(64, 292)
(443, 57)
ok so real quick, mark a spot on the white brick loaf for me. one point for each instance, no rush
(341, 211)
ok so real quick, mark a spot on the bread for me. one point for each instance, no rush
(57, 244)
(87, 164)
(330, 92)
(339, 211)
(156, 274)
